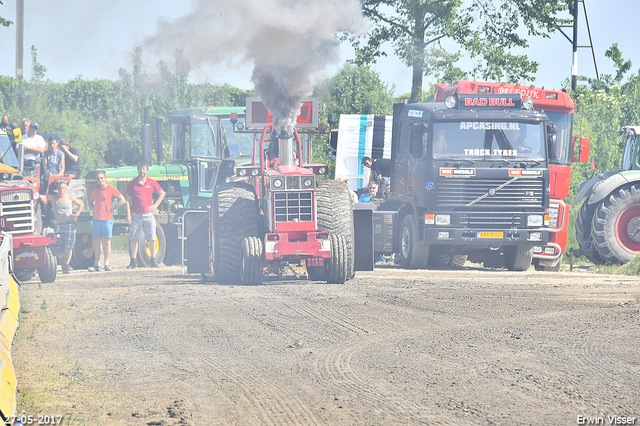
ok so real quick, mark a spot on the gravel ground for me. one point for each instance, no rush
(465, 347)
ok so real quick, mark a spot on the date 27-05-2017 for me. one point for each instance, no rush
(39, 419)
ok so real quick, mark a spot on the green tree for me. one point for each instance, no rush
(486, 31)
(5, 22)
(37, 69)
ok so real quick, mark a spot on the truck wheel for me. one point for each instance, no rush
(458, 260)
(518, 258)
(335, 215)
(252, 261)
(583, 233)
(338, 270)
(48, 272)
(616, 226)
(548, 265)
(24, 275)
(144, 254)
(83, 255)
(235, 216)
(413, 252)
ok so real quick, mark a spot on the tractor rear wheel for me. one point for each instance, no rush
(235, 216)
(413, 252)
(144, 254)
(335, 215)
(583, 233)
(252, 261)
(518, 258)
(616, 226)
(458, 260)
(338, 270)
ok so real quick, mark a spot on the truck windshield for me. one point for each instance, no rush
(239, 144)
(496, 140)
(9, 158)
(564, 124)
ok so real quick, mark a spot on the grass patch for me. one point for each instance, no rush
(120, 242)
(632, 268)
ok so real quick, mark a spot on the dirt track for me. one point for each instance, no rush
(469, 347)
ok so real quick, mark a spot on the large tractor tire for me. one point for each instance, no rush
(413, 252)
(439, 258)
(235, 217)
(546, 265)
(252, 269)
(616, 226)
(458, 260)
(144, 254)
(83, 255)
(338, 270)
(335, 215)
(47, 273)
(583, 233)
(518, 258)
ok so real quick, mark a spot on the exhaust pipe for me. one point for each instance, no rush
(285, 147)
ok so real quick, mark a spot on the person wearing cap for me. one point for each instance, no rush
(71, 159)
(62, 208)
(54, 158)
(379, 167)
(34, 146)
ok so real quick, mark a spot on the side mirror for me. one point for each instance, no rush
(417, 133)
(583, 149)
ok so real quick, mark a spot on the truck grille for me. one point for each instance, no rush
(293, 207)
(17, 208)
(480, 220)
(521, 193)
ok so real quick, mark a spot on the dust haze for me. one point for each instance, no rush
(287, 41)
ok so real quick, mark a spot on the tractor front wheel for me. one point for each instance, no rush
(252, 261)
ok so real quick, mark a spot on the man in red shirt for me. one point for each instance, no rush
(102, 226)
(140, 195)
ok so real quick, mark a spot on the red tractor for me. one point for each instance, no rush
(275, 214)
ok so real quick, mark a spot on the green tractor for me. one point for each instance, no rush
(608, 223)
(204, 150)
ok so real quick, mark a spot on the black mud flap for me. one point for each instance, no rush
(363, 227)
(196, 242)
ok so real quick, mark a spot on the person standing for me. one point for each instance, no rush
(103, 197)
(71, 159)
(54, 159)
(140, 195)
(34, 146)
(379, 167)
(62, 207)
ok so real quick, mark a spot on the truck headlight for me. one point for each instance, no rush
(553, 217)
(534, 220)
(307, 182)
(450, 102)
(277, 183)
(443, 219)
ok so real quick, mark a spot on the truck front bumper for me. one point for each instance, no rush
(486, 238)
(278, 246)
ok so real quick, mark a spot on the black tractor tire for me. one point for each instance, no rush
(616, 226)
(334, 205)
(338, 270)
(413, 252)
(173, 252)
(83, 255)
(24, 275)
(144, 254)
(439, 258)
(546, 266)
(235, 216)
(518, 258)
(49, 270)
(251, 272)
(583, 233)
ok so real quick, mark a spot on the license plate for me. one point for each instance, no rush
(490, 235)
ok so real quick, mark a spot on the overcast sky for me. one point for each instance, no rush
(95, 39)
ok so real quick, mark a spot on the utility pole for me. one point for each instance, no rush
(19, 39)
(574, 64)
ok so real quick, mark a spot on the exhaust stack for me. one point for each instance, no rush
(285, 147)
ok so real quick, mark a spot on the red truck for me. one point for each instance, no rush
(558, 106)
(21, 213)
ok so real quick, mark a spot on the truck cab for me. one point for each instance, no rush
(471, 177)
